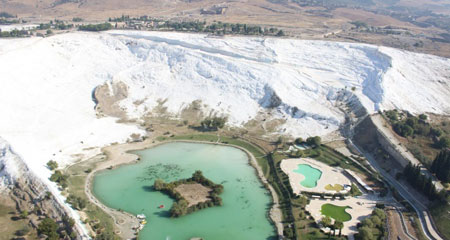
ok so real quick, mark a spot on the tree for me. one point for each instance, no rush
(367, 223)
(441, 166)
(48, 227)
(379, 213)
(213, 123)
(326, 222)
(159, 184)
(444, 142)
(76, 202)
(24, 214)
(298, 140)
(280, 33)
(366, 233)
(436, 132)
(403, 130)
(314, 141)
(179, 208)
(376, 221)
(412, 122)
(339, 225)
(423, 117)
(52, 165)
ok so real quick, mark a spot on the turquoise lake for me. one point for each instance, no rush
(245, 201)
(312, 175)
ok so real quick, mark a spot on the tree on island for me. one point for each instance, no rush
(159, 184)
(181, 206)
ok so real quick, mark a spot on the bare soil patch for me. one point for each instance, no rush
(194, 193)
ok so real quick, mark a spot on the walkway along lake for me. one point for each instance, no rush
(245, 201)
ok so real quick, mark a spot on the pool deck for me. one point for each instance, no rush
(330, 175)
(360, 208)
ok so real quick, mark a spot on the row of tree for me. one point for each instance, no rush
(202, 26)
(221, 28)
(441, 166)
(336, 225)
(14, 33)
(420, 182)
(213, 123)
(60, 178)
(181, 206)
(78, 203)
(95, 27)
(311, 141)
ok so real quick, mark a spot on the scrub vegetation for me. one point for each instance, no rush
(424, 137)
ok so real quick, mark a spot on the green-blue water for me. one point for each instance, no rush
(245, 201)
(312, 175)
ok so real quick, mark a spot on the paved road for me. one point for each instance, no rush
(380, 123)
(425, 220)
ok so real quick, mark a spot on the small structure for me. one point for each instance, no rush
(358, 180)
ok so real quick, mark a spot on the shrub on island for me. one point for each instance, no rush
(181, 206)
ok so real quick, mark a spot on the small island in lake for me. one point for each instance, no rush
(191, 194)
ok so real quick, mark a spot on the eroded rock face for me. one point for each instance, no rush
(270, 99)
(11, 166)
(107, 98)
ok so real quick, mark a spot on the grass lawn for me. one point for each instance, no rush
(336, 212)
(441, 215)
(77, 182)
(335, 187)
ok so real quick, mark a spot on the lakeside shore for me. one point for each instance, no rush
(119, 154)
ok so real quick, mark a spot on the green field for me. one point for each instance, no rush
(441, 215)
(335, 187)
(336, 212)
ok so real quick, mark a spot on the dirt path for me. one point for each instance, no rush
(118, 155)
(396, 227)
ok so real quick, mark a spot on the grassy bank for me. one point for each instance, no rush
(97, 219)
(441, 216)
